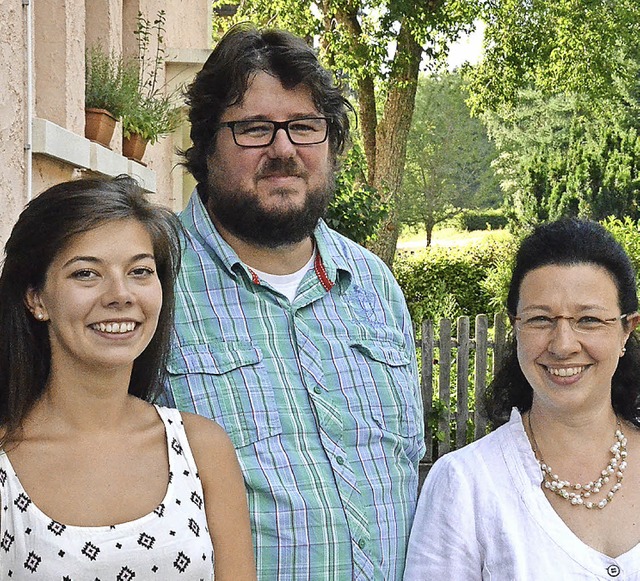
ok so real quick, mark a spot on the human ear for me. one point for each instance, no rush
(34, 303)
(634, 320)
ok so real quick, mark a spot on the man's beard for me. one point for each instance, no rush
(244, 216)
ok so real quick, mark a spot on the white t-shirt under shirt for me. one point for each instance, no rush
(287, 284)
(482, 515)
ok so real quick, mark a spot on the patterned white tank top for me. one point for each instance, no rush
(172, 542)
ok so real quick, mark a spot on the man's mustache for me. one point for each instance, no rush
(278, 167)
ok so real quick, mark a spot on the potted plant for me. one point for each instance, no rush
(147, 121)
(151, 113)
(105, 94)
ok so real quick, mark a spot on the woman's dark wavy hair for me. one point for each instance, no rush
(564, 242)
(44, 228)
(243, 51)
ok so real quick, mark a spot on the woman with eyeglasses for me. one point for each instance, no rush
(554, 492)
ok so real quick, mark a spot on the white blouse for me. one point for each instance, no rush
(482, 515)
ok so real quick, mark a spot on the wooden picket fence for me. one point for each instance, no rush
(455, 351)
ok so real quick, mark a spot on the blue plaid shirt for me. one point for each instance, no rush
(320, 397)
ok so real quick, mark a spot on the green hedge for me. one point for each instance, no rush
(627, 233)
(470, 280)
(449, 282)
(481, 220)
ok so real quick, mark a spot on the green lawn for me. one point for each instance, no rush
(416, 240)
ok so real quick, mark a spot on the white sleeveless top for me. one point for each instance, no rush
(172, 542)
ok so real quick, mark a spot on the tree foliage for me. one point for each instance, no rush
(587, 47)
(559, 90)
(448, 165)
(558, 159)
(356, 209)
(376, 48)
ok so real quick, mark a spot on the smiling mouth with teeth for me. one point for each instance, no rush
(114, 327)
(565, 371)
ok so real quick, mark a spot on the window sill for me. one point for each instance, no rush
(54, 141)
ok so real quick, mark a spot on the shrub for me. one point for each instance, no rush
(356, 209)
(627, 233)
(448, 281)
(496, 283)
(488, 219)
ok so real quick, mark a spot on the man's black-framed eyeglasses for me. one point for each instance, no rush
(262, 133)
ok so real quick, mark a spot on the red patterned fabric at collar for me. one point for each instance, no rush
(321, 272)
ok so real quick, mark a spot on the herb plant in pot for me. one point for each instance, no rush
(145, 121)
(105, 94)
(151, 113)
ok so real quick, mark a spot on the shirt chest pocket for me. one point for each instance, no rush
(228, 383)
(388, 384)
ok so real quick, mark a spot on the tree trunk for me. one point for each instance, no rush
(391, 137)
(369, 121)
(366, 91)
(428, 227)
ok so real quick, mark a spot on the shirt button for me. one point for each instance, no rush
(340, 460)
(613, 570)
(362, 543)
(317, 390)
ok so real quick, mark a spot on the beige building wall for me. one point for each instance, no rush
(42, 94)
(12, 113)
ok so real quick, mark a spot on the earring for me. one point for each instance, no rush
(40, 316)
(624, 350)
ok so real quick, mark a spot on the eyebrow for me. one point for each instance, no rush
(96, 260)
(578, 308)
(291, 117)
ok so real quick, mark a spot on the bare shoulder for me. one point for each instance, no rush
(224, 498)
(215, 457)
(207, 439)
(199, 428)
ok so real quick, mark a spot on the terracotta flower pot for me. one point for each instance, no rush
(133, 147)
(99, 126)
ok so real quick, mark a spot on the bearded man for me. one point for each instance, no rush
(292, 337)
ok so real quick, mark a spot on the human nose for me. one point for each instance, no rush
(117, 292)
(282, 146)
(563, 339)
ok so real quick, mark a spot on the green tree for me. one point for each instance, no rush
(449, 156)
(558, 160)
(578, 47)
(558, 88)
(378, 48)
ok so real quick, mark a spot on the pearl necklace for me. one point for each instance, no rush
(580, 494)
